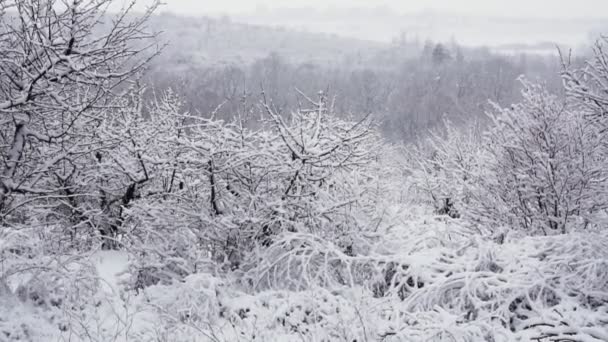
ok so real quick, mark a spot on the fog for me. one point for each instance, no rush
(383, 23)
(516, 8)
(471, 22)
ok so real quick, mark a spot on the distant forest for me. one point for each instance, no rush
(410, 85)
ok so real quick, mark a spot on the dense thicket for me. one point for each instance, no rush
(539, 167)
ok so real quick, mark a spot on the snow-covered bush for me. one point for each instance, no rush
(219, 190)
(539, 167)
(444, 167)
(42, 294)
(194, 301)
(444, 282)
(544, 168)
(589, 84)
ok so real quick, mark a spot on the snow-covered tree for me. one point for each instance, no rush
(444, 167)
(540, 168)
(236, 189)
(544, 166)
(589, 85)
(62, 67)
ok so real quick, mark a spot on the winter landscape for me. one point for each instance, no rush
(345, 170)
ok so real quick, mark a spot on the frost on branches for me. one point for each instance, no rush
(63, 64)
(546, 164)
(223, 190)
(540, 168)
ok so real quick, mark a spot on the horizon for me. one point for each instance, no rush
(485, 8)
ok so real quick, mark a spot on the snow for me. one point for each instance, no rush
(302, 228)
(463, 275)
(110, 265)
(469, 287)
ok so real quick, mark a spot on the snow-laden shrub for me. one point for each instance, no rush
(430, 279)
(391, 261)
(20, 322)
(321, 315)
(65, 281)
(444, 166)
(540, 168)
(44, 295)
(545, 170)
(193, 301)
(515, 285)
(316, 314)
(218, 191)
(302, 261)
(588, 84)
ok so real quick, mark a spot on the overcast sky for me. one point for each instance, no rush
(518, 8)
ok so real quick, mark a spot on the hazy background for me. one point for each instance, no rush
(412, 64)
(470, 22)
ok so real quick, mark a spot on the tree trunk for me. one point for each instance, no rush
(14, 156)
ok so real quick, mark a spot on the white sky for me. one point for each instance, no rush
(512, 8)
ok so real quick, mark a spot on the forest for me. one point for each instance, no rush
(169, 179)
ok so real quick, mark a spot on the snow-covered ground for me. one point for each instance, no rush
(427, 279)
